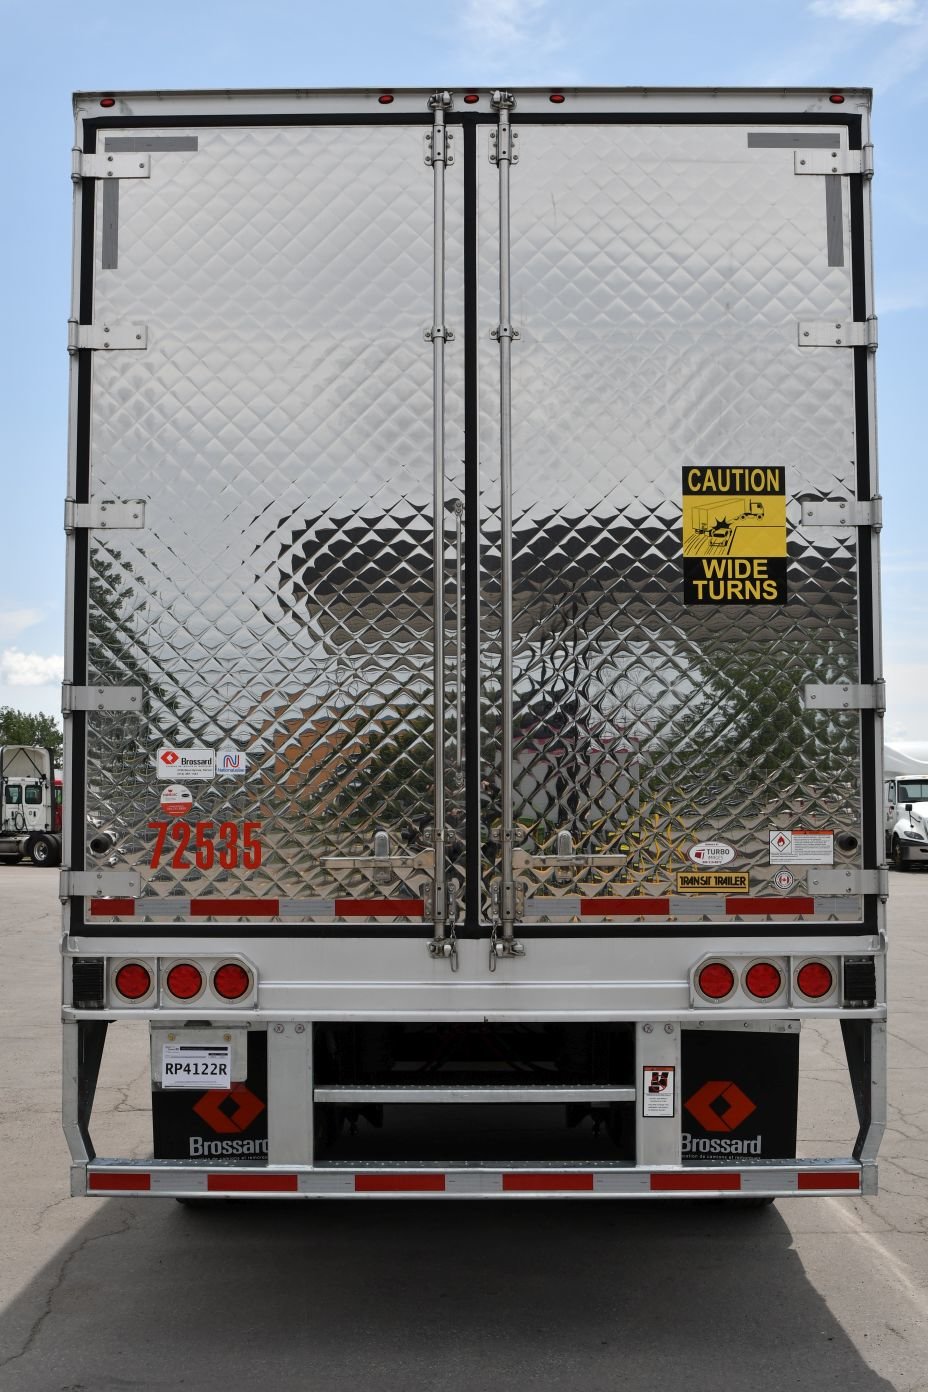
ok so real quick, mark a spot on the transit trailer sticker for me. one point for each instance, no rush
(801, 847)
(176, 800)
(713, 882)
(657, 1090)
(734, 535)
(190, 764)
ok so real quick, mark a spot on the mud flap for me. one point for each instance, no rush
(227, 1124)
(740, 1095)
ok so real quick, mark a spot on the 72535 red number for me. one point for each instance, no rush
(228, 843)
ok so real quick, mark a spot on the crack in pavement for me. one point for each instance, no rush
(35, 1328)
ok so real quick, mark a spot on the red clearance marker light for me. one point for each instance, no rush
(557, 98)
(837, 98)
(231, 981)
(716, 980)
(385, 99)
(133, 981)
(184, 981)
(472, 97)
(763, 980)
(814, 980)
(107, 101)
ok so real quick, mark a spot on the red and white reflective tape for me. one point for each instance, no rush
(155, 907)
(826, 1177)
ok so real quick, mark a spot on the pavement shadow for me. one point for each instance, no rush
(403, 1295)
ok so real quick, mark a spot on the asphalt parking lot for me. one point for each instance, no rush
(115, 1295)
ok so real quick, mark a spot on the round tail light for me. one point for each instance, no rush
(763, 980)
(184, 981)
(815, 980)
(716, 980)
(231, 981)
(133, 981)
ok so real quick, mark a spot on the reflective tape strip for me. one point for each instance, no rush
(303, 908)
(635, 908)
(112, 908)
(239, 908)
(672, 1183)
(110, 1180)
(522, 1183)
(399, 1183)
(251, 1184)
(829, 1179)
(743, 904)
(548, 906)
(379, 908)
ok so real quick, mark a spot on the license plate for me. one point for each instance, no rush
(196, 1066)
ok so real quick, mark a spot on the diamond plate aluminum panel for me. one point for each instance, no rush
(658, 276)
(279, 424)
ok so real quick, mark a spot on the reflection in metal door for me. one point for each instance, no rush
(649, 281)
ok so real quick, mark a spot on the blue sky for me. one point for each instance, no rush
(51, 49)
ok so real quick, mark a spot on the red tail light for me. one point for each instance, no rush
(837, 98)
(133, 981)
(385, 99)
(107, 101)
(472, 97)
(763, 980)
(184, 981)
(231, 981)
(814, 980)
(716, 980)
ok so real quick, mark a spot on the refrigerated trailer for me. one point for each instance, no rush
(473, 692)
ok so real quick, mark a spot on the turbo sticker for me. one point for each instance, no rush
(734, 535)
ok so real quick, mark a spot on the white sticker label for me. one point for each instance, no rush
(711, 853)
(784, 879)
(176, 800)
(196, 1066)
(657, 1090)
(802, 847)
(230, 762)
(190, 764)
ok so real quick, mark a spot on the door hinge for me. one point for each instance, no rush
(835, 161)
(100, 884)
(503, 145)
(106, 336)
(104, 515)
(835, 333)
(829, 513)
(845, 696)
(100, 698)
(437, 144)
(133, 166)
(847, 880)
(438, 331)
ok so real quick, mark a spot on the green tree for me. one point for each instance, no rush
(22, 727)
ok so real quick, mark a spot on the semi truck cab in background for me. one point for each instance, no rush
(30, 805)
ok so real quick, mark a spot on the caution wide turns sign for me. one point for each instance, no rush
(734, 535)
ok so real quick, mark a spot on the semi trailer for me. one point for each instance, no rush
(473, 693)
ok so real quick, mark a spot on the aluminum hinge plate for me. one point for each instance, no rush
(437, 145)
(850, 879)
(503, 145)
(106, 337)
(100, 884)
(130, 166)
(101, 698)
(845, 696)
(828, 513)
(108, 513)
(835, 161)
(838, 333)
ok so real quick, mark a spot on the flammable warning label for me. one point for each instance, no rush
(713, 882)
(734, 535)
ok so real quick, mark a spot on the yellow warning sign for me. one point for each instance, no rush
(713, 882)
(734, 535)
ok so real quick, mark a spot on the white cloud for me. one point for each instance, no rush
(29, 669)
(868, 11)
(14, 621)
(511, 24)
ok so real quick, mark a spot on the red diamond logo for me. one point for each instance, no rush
(241, 1109)
(169, 757)
(736, 1106)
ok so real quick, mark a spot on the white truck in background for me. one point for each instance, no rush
(30, 805)
(906, 813)
(473, 691)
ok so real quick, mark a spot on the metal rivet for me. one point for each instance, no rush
(648, 1029)
(300, 1029)
(668, 1029)
(172, 1036)
(802, 161)
(227, 1038)
(278, 1029)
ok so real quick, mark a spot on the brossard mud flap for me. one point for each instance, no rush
(218, 1124)
(741, 1094)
